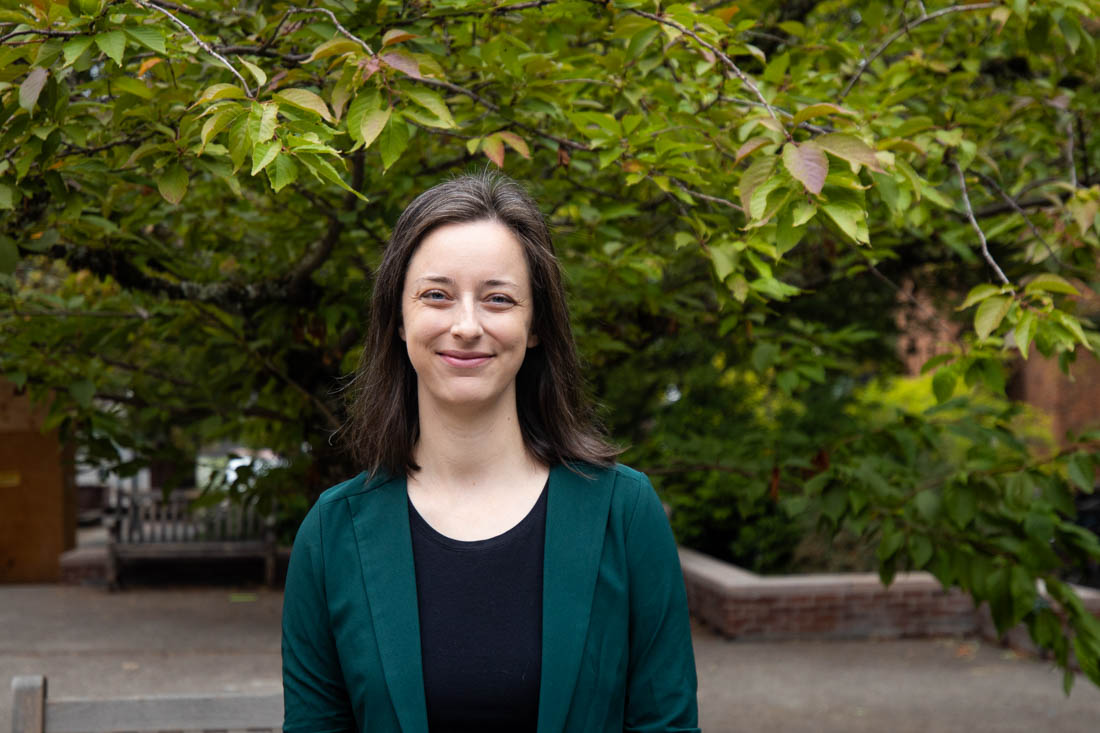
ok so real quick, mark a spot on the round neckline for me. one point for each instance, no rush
(420, 525)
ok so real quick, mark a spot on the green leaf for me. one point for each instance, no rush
(757, 172)
(1081, 472)
(806, 163)
(306, 100)
(374, 122)
(928, 504)
(262, 120)
(1050, 283)
(31, 88)
(363, 103)
(172, 184)
(723, 257)
(1024, 332)
(219, 121)
(264, 153)
(74, 47)
(148, 36)
(434, 103)
(849, 218)
(824, 109)
(943, 384)
(257, 73)
(962, 504)
(335, 47)
(283, 173)
(112, 43)
(920, 550)
(990, 314)
(82, 391)
(849, 148)
(214, 92)
(130, 85)
(324, 170)
(977, 294)
(9, 255)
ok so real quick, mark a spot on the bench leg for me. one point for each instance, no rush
(29, 698)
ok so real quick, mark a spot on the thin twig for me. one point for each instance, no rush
(706, 197)
(909, 25)
(745, 78)
(34, 32)
(202, 44)
(1016, 207)
(332, 17)
(974, 223)
(492, 106)
(181, 9)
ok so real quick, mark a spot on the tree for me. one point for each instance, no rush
(195, 197)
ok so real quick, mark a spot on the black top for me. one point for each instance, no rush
(480, 608)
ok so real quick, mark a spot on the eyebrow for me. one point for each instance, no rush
(444, 280)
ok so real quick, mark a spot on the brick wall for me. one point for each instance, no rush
(742, 605)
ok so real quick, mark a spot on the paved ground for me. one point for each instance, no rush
(159, 640)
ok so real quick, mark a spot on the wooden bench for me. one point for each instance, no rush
(32, 712)
(153, 527)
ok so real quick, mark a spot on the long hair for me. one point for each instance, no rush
(555, 418)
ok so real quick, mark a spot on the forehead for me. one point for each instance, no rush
(470, 251)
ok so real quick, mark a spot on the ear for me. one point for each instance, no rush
(532, 339)
(401, 332)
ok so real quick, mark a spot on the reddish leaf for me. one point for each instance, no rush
(517, 143)
(808, 164)
(749, 147)
(396, 35)
(403, 62)
(493, 147)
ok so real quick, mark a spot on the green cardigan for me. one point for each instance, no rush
(616, 643)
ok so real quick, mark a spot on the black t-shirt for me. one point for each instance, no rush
(480, 609)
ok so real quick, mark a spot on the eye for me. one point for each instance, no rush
(500, 299)
(435, 296)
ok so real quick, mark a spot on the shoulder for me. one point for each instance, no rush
(360, 484)
(628, 488)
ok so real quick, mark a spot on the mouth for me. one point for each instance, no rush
(465, 359)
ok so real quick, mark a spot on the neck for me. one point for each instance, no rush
(470, 448)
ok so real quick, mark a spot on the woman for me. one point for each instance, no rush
(493, 568)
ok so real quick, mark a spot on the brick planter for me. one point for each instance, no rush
(742, 605)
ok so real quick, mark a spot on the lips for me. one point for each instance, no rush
(465, 359)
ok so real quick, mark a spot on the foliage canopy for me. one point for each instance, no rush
(195, 196)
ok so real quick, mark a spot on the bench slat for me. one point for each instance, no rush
(146, 715)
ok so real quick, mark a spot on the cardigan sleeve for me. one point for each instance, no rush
(661, 686)
(315, 698)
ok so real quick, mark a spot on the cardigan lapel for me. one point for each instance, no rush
(576, 518)
(382, 534)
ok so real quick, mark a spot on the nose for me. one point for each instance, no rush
(466, 325)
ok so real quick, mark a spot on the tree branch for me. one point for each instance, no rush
(493, 107)
(319, 252)
(706, 197)
(1016, 207)
(202, 44)
(745, 78)
(331, 16)
(35, 32)
(909, 25)
(974, 223)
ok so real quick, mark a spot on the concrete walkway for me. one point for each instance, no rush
(145, 641)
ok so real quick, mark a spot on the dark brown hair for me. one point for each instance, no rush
(555, 417)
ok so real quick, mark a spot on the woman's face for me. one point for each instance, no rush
(466, 315)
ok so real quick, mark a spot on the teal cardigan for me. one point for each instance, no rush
(616, 642)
